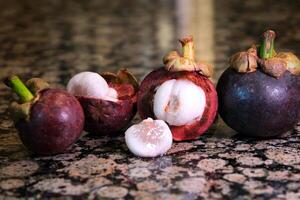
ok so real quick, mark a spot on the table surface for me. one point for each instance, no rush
(56, 39)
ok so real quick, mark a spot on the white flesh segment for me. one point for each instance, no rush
(179, 102)
(149, 138)
(161, 99)
(91, 84)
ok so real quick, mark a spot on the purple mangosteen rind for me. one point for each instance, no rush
(264, 57)
(185, 67)
(123, 76)
(48, 120)
(21, 110)
(107, 117)
(258, 105)
(55, 122)
(259, 94)
(184, 132)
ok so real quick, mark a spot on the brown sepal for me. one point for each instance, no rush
(245, 61)
(292, 62)
(20, 111)
(110, 77)
(174, 63)
(36, 84)
(274, 66)
(123, 76)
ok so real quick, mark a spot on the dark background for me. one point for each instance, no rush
(56, 39)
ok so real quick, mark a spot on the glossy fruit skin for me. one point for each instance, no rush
(258, 105)
(107, 117)
(56, 121)
(185, 132)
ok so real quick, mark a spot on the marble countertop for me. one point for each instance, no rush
(56, 39)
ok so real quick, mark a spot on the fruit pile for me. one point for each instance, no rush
(258, 95)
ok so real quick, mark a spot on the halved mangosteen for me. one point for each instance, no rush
(108, 100)
(180, 93)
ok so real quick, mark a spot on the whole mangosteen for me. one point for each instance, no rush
(180, 93)
(48, 120)
(259, 94)
(108, 100)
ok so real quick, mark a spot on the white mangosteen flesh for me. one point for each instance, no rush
(91, 84)
(179, 102)
(149, 138)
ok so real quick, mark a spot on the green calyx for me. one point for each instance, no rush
(27, 93)
(267, 46)
(265, 57)
(19, 88)
(36, 84)
(175, 62)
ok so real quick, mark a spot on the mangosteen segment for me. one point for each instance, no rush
(149, 138)
(178, 102)
(90, 84)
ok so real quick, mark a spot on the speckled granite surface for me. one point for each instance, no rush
(56, 39)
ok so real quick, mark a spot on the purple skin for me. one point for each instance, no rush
(56, 121)
(258, 105)
(106, 117)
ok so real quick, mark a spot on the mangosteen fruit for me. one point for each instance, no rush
(149, 138)
(108, 100)
(48, 120)
(180, 93)
(259, 94)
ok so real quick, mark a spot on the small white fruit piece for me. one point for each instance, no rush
(179, 102)
(149, 138)
(91, 84)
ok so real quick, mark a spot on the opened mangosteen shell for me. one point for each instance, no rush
(108, 117)
(55, 122)
(256, 104)
(185, 132)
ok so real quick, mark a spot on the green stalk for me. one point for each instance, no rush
(188, 50)
(267, 46)
(19, 88)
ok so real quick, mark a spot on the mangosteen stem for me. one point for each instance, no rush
(267, 46)
(188, 50)
(19, 88)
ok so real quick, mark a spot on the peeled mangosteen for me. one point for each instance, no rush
(48, 120)
(180, 93)
(259, 94)
(149, 138)
(108, 100)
